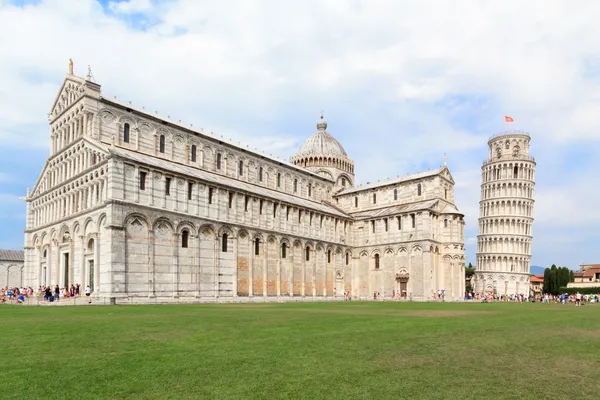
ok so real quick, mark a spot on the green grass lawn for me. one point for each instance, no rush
(301, 351)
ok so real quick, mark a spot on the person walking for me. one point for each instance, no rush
(88, 293)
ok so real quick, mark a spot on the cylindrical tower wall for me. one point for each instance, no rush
(506, 216)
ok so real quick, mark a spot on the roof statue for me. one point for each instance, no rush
(70, 66)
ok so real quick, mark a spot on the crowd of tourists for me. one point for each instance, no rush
(495, 297)
(578, 299)
(44, 293)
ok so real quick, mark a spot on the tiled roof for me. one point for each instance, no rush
(211, 136)
(391, 181)
(537, 279)
(12, 255)
(222, 180)
(385, 211)
(591, 272)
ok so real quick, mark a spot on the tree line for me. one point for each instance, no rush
(556, 278)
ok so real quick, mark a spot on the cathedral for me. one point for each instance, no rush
(139, 206)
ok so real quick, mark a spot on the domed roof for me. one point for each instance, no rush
(321, 143)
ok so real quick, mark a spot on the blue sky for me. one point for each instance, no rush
(401, 83)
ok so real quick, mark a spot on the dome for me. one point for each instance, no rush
(321, 143)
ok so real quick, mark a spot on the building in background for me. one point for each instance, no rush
(506, 216)
(11, 268)
(139, 206)
(536, 284)
(588, 276)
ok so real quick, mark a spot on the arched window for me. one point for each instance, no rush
(516, 173)
(376, 261)
(329, 256)
(256, 246)
(193, 153)
(241, 168)
(126, 133)
(307, 253)
(161, 144)
(445, 223)
(446, 194)
(278, 179)
(45, 253)
(374, 198)
(283, 250)
(419, 189)
(224, 243)
(295, 185)
(260, 174)
(356, 201)
(309, 190)
(395, 194)
(218, 160)
(185, 235)
(347, 258)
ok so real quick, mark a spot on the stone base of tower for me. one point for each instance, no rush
(501, 283)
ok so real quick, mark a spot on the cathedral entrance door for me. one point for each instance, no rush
(403, 286)
(91, 273)
(402, 282)
(66, 270)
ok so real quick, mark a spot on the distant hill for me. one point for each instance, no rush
(537, 270)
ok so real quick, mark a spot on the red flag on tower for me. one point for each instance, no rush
(508, 119)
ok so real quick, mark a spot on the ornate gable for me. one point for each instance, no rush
(71, 90)
(445, 173)
(79, 145)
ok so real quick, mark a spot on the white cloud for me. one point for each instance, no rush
(402, 82)
(130, 7)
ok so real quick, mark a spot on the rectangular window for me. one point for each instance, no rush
(260, 207)
(373, 226)
(256, 247)
(329, 256)
(299, 216)
(230, 200)
(413, 220)
(287, 213)
(309, 190)
(385, 222)
(283, 250)
(374, 198)
(274, 210)
(190, 190)
(399, 222)
(321, 222)
(142, 180)
(246, 199)
(210, 194)
(168, 186)
(278, 179)
(310, 217)
(295, 185)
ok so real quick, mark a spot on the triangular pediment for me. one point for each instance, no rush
(72, 89)
(91, 144)
(445, 173)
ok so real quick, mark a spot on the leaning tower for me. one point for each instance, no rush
(505, 216)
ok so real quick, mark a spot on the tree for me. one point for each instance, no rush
(553, 280)
(563, 275)
(546, 285)
(469, 272)
(571, 276)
